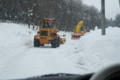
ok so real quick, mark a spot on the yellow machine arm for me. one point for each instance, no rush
(78, 27)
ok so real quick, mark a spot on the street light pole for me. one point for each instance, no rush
(103, 17)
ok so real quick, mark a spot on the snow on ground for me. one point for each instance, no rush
(19, 59)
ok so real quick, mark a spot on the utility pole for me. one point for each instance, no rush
(103, 16)
(119, 2)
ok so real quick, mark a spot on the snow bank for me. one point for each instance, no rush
(99, 51)
(19, 59)
(12, 39)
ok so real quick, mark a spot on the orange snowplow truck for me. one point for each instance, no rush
(47, 34)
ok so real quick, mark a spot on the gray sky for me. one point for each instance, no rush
(112, 6)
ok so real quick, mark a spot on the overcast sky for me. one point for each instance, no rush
(112, 6)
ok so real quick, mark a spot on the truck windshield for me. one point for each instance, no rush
(82, 28)
(47, 24)
(51, 24)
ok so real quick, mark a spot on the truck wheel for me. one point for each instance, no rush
(36, 43)
(54, 43)
(58, 42)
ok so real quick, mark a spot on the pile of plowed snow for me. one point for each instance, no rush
(12, 37)
(19, 59)
(97, 50)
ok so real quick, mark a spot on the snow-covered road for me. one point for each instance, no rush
(19, 59)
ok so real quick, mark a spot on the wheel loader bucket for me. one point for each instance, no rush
(62, 40)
